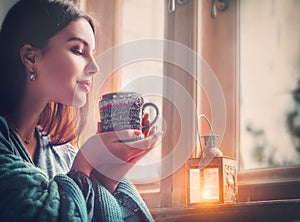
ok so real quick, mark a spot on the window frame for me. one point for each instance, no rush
(269, 184)
(253, 185)
(277, 183)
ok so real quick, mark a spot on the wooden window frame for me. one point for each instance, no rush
(108, 18)
(221, 50)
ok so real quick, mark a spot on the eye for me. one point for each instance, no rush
(77, 50)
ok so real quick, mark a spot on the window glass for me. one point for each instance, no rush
(270, 74)
(141, 21)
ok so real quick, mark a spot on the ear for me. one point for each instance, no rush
(28, 55)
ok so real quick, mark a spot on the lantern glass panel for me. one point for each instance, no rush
(195, 193)
(210, 180)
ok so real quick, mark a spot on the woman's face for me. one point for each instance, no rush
(65, 69)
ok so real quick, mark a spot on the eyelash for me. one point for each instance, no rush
(77, 51)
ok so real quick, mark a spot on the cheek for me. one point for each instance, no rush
(59, 77)
(61, 70)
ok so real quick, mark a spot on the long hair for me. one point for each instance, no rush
(34, 22)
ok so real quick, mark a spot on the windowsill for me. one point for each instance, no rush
(275, 210)
(269, 184)
(263, 195)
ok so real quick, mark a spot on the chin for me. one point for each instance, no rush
(79, 102)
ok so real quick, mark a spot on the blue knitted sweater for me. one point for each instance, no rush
(43, 190)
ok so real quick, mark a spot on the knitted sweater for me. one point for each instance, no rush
(43, 190)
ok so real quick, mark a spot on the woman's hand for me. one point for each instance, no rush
(111, 158)
(146, 122)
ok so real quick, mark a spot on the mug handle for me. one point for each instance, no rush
(156, 116)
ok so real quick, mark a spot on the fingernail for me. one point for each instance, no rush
(137, 132)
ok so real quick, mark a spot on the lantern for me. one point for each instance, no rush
(212, 178)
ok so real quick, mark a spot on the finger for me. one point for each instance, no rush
(153, 130)
(147, 143)
(125, 151)
(99, 127)
(139, 137)
(146, 129)
(126, 135)
(146, 122)
(136, 158)
(145, 118)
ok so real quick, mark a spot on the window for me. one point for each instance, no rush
(225, 44)
(269, 70)
(269, 53)
(141, 22)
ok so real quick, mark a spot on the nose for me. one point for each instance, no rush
(92, 67)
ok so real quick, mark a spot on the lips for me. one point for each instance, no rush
(85, 85)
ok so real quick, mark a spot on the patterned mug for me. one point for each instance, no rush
(124, 110)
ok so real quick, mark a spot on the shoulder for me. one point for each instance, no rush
(55, 159)
(4, 129)
(66, 150)
(5, 136)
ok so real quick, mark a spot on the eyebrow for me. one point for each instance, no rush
(80, 40)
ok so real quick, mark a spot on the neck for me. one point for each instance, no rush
(25, 133)
(26, 116)
(24, 137)
(22, 125)
(23, 122)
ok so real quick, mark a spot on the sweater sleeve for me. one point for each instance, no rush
(129, 198)
(27, 194)
(124, 205)
(85, 185)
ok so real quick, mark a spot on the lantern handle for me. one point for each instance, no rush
(198, 130)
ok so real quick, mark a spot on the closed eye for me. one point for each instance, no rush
(77, 51)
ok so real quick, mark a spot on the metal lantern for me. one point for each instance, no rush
(212, 178)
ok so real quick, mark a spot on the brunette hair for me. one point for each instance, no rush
(34, 22)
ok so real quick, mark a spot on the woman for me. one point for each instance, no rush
(46, 73)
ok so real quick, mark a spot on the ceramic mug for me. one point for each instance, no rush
(124, 110)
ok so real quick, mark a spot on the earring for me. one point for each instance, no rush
(32, 75)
